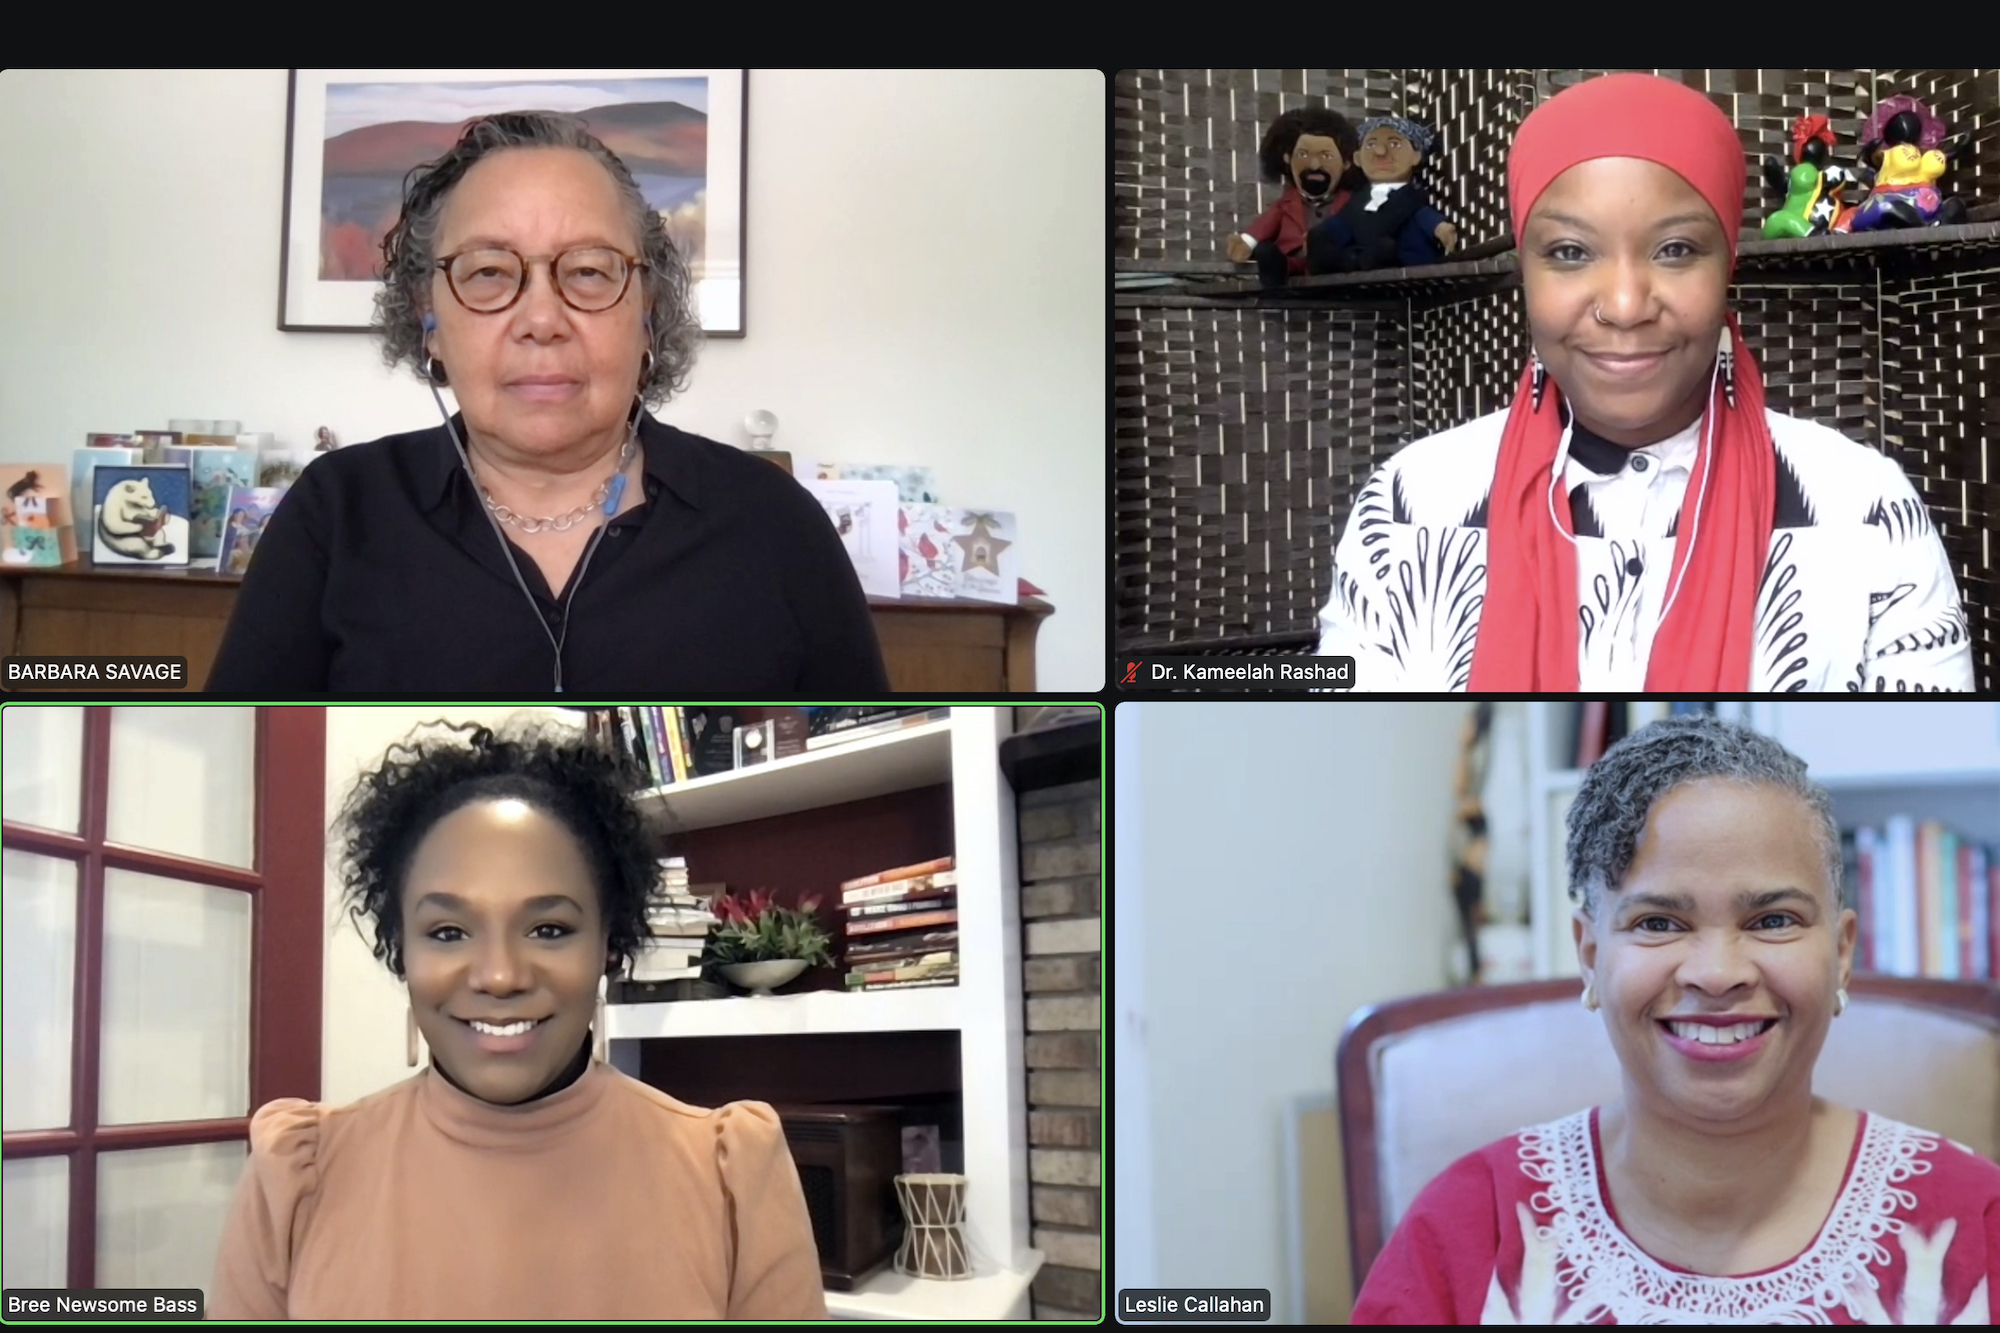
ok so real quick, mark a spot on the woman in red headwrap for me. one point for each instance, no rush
(1638, 519)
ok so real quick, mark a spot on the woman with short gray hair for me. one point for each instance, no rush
(553, 536)
(1716, 1189)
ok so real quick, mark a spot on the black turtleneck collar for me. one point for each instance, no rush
(1595, 452)
(570, 1074)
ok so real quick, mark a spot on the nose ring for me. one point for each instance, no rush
(1597, 312)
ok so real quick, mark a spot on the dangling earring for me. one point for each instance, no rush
(639, 396)
(1538, 378)
(1725, 361)
(1840, 1002)
(410, 1037)
(597, 1046)
(1590, 996)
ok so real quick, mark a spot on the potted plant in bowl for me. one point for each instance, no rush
(760, 945)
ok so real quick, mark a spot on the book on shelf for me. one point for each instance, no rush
(1588, 728)
(931, 867)
(905, 968)
(878, 948)
(881, 727)
(902, 985)
(827, 721)
(901, 906)
(895, 890)
(1927, 900)
(879, 925)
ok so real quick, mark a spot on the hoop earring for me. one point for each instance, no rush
(1538, 378)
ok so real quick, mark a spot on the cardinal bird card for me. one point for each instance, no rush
(142, 515)
(929, 559)
(961, 553)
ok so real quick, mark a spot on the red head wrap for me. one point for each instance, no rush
(1528, 625)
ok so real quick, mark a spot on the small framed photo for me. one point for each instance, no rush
(353, 134)
(756, 744)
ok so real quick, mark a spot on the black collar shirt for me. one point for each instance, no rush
(380, 573)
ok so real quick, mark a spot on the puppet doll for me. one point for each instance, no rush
(1311, 150)
(1905, 150)
(1389, 223)
(1809, 183)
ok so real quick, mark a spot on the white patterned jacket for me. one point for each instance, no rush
(1857, 592)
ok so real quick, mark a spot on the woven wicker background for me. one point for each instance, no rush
(1242, 437)
(1243, 432)
(1941, 380)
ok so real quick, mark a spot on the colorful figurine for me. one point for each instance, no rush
(1390, 223)
(1312, 151)
(1904, 151)
(1811, 185)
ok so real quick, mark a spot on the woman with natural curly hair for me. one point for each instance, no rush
(552, 536)
(1716, 1188)
(503, 878)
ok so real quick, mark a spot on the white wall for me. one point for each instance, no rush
(925, 283)
(1136, 1264)
(363, 1046)
(1296, 868)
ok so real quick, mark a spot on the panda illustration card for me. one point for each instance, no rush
(142, 515)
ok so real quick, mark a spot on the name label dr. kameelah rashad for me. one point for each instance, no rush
(1149, 672)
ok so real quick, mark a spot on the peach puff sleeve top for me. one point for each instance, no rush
(606, 1200)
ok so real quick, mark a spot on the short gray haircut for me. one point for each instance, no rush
(1619, 791)
(410, 248)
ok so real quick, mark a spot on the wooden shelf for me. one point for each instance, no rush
(812, 1012)
(855, 771)
(1222, 283)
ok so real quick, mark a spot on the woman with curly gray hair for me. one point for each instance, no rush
(552, 536)
(1716, 1189)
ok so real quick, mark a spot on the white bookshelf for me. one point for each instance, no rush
(929, 1008)
(1933, 759)
(985, 1008)
(855, 771)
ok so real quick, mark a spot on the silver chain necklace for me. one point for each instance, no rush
(561, 522)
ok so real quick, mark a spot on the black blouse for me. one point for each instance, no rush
(379, 573)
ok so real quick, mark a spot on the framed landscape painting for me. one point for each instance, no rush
(352, 135)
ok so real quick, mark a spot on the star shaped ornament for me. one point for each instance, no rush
(982, 548)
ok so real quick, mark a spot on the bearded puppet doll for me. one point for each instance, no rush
(1390, 222)
(1312, 151)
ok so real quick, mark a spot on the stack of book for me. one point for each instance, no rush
(902, 927)
(680, 919)
(1928, 901)
(670, 744)
(837, 726)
